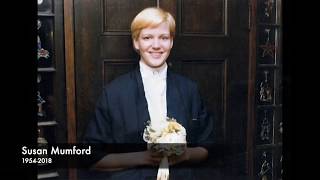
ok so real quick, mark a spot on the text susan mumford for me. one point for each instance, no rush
(57, 151)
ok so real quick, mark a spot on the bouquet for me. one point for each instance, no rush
(168, 138)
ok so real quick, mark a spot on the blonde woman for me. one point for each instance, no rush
(149, 92)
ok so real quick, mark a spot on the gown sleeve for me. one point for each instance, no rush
(202, 128)
(99, 130)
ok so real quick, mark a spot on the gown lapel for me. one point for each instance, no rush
(141, 103)
(175, 102)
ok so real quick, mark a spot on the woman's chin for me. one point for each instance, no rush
(157, 64)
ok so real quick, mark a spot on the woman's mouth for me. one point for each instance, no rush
(156, 54)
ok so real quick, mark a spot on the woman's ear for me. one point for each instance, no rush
(136, 45)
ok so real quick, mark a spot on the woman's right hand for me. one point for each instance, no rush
(121, 161)
(149, 158)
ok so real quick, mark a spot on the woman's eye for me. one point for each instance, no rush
(146, 38)
(165, 38)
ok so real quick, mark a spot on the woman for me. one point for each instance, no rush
(150, 92)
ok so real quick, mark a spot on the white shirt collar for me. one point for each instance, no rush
(154, 84)
(148, 72)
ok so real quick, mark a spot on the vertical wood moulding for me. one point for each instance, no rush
(252, 8)
(70, 76)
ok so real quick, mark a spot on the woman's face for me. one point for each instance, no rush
(154, 45)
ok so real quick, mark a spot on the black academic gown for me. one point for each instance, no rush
(121, 115)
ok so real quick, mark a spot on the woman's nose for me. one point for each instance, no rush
(155, 43)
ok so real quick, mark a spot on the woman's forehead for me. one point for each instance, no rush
(161, 28)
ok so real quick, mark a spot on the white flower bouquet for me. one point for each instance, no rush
(168, 138)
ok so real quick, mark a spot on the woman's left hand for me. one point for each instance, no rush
(191, 154)
(176, 159)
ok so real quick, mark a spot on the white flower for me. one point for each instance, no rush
(167, 137)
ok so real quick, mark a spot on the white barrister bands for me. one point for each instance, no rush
(169, 138)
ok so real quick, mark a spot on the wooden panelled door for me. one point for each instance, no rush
(211, 47)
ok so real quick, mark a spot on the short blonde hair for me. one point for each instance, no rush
(151, 17)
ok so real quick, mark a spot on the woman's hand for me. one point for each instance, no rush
(150, 158)
(176, 159)
(191, 154)
(119, 161)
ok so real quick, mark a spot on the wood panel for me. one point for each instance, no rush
(114, 21)
(203, 17)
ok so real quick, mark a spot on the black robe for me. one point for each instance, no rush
(121, 115)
